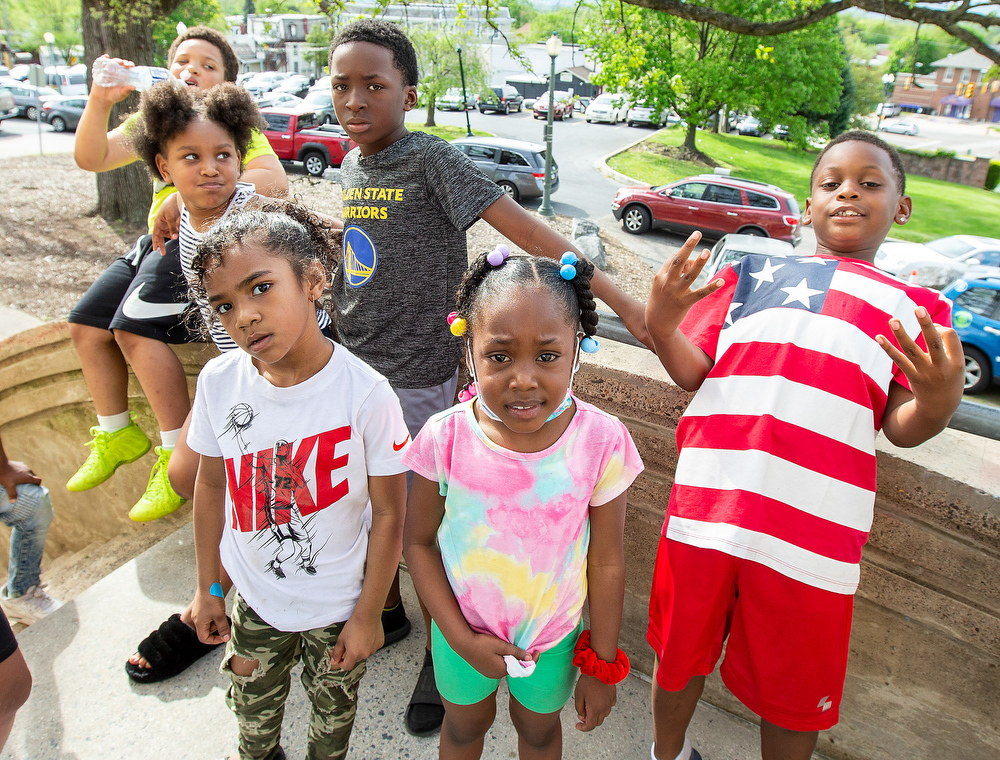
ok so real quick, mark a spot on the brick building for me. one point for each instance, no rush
(960, 87)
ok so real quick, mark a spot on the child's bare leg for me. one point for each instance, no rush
(539, 736)
(161, 375)
(15, 687)
(464, 729)
(672, 712)
(782, 744)
(104, 369)
(183, 467)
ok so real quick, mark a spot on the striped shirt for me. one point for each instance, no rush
(188, 241)
(777, 449)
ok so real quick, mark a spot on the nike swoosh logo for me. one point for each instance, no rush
(398, 446)
(135, 308)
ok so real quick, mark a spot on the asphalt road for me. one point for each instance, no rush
(19, 137)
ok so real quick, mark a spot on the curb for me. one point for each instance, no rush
(602, 164)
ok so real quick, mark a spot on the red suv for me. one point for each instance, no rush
(713, 203)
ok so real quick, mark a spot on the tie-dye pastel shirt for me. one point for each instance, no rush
(516, 526)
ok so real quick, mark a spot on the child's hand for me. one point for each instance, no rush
(208, 613)
(485, 653)
(936, 376)
(13, 474)
(358, 641)
(167, 224)
(116, 94)
(594, 700)
(671, 296)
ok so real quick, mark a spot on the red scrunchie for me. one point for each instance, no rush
(590, 664)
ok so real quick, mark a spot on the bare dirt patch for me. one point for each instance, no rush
(53, 246)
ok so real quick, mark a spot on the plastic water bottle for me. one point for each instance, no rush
(108, 73)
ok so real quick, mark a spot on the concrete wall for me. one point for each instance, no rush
(45, 420)
(965, 170)
(924, 671)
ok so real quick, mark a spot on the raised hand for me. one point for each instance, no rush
(936, 376)
(671, 296)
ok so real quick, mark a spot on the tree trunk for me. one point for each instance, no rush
(431, 105)
(689, 137)
(122, 194)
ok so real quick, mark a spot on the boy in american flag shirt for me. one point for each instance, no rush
(798, 362)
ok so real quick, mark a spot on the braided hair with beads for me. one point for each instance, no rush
(484, 281)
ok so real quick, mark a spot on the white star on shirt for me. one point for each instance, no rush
(812, 260)
(765, 274)
(729, 314)
(801, 293)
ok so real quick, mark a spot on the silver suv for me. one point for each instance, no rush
(517, 167)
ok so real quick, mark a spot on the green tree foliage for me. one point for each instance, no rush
(695, 68)
(437, 58)
(561, 22)
(522, 11)
(31, 19)
(319, 39)
(932, 45)
(190, 13)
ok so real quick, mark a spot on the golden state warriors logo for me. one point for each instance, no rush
(360, 257)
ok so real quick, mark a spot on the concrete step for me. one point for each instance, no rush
(84, 706)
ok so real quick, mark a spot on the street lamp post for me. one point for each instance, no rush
(465, 98)
(553, 46)
(888, 82)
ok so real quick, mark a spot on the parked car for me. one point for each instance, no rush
(323, 83)
(609, 107)
(503, 99)
(888, 109)
(563, 106)
(7, 108)
(297, 85)
(63, 113)
(517, 167)
(976, 318)
(321, 102)
(275, 99)
(899, 127)
(751, 126)
(452, 100)
(939, 262)
(265, 81)
(298, 136)
(642, 115)
(734, 247)
(713, 203)
(29, 99)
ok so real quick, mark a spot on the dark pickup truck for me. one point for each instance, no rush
(298, 136)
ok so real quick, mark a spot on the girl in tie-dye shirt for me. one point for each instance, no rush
(516, 513)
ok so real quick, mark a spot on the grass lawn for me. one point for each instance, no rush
(939, 208)
(444, 132)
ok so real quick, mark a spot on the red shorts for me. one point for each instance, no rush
(786, 656)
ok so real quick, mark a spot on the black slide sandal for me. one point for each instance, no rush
(169, 650)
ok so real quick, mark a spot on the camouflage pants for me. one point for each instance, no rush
(259, 699)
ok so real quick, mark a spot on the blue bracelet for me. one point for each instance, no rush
(216, 590)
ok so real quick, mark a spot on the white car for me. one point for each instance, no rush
(899, 128)
(733, 247)
(939, 262)
(610, 107)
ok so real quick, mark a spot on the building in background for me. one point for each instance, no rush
(960, 87)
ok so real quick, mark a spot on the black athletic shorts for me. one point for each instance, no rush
(8, 644)
(143, 293)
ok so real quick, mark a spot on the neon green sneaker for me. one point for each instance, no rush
(108, 452)
(160, 499)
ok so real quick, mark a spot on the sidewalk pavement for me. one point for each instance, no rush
(84, 707)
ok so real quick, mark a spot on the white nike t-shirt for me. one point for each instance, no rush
(297, 464)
